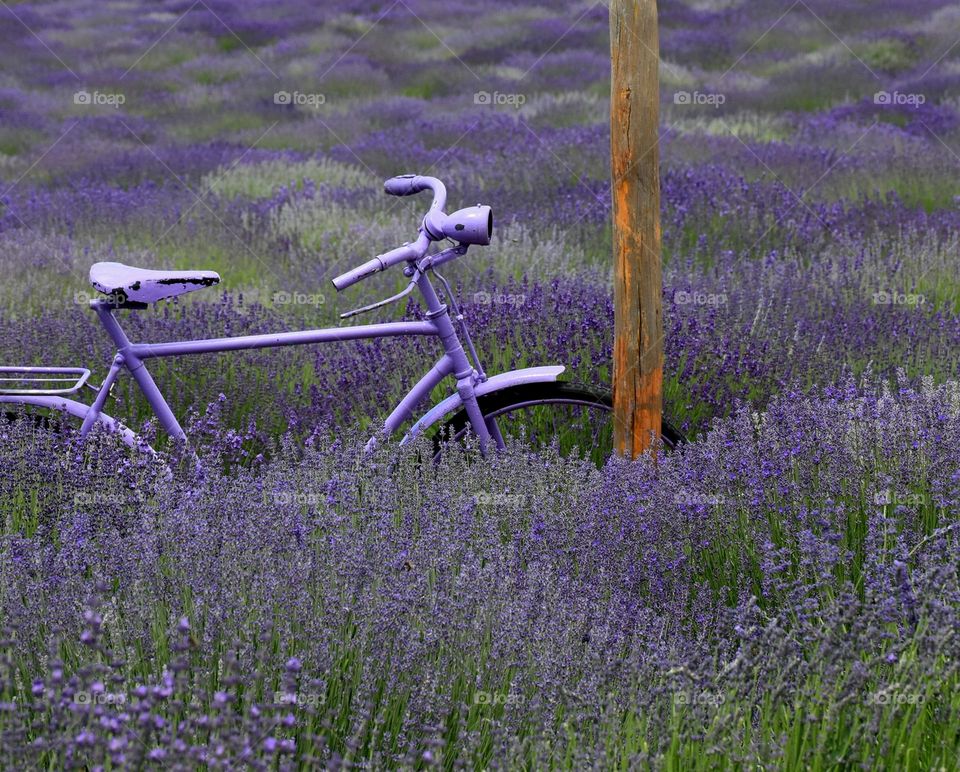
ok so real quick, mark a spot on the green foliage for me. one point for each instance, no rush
(888, 55)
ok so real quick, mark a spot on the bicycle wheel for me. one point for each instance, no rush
(577, 419)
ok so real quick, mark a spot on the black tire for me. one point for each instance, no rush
(590, 407)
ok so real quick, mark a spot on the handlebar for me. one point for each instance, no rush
(380, 263)
(410, 184)
(472, 226)
(404, 185)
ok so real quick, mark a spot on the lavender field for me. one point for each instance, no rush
(781, 592)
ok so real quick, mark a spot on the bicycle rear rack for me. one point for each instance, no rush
(42, 380)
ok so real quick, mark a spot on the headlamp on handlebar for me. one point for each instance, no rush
(473, 225)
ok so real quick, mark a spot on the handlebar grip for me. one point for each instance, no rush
(404, 185)
(359, 273)
(379, 263)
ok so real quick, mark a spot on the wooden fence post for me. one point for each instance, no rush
(638, 291)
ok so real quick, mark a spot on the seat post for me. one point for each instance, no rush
(139, 371)
(104, 310)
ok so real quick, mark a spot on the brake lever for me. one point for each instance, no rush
(388, 301)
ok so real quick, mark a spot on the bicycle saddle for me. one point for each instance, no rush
(142, 285)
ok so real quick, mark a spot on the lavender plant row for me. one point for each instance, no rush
(783, 592)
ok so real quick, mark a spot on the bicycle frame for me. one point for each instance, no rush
(471, 382)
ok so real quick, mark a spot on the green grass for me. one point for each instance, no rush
(14, 143)
(205, 125)
(889, 55)
(262, 180)
(916, 187)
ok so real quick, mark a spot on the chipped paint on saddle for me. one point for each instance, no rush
(141, 285)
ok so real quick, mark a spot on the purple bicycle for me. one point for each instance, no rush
(530, 402)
